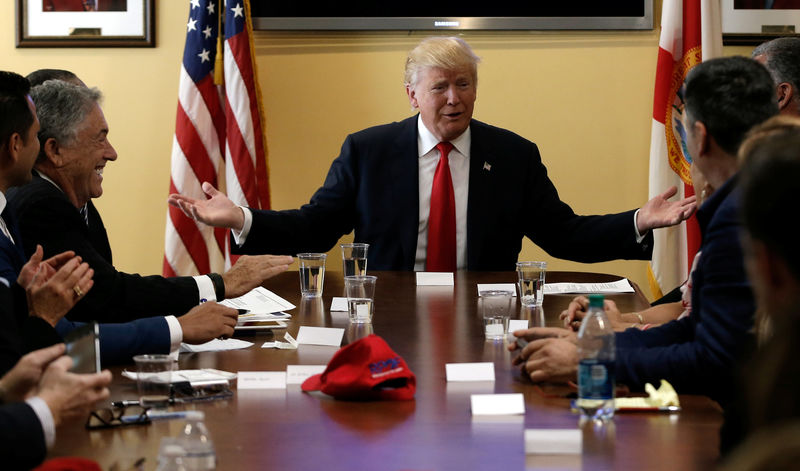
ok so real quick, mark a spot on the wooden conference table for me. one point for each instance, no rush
(429, 327)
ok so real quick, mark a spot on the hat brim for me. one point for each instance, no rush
(313, 383)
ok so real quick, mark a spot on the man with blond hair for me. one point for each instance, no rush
(440, 191)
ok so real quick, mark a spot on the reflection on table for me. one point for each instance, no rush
(428, 326)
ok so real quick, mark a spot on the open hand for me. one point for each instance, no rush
(660, 212)
(217, 210)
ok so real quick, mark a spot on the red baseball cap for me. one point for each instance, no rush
(367, 369)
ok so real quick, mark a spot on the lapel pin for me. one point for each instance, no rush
(487, 167)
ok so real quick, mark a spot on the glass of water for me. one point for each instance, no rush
(495, 307)
(360, 291)
(312, 274)
(530, 279)
(153, 379)
(354, 259)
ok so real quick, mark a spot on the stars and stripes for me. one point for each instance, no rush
(218, 132)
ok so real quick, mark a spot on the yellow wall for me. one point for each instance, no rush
(584, 97)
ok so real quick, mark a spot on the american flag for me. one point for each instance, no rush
(691, 32)
(218, 132)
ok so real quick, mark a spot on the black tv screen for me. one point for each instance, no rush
(445, 15)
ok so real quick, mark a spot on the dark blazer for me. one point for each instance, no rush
(699, 354)
(22, 443)
(372, 188)
(21, 333)
(47, 217)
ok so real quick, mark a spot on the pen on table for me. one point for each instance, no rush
(124, 403)
(129, 403)
(154, 415)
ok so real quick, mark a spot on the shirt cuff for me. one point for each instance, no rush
(42, 411)
(240, 236)
(175, 336)
(205, 288)
(639, 237)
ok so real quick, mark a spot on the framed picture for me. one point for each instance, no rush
(751, 22)
(86, 23)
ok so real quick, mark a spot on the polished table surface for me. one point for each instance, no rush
(428, 326)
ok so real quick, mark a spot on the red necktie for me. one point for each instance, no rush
(441, 254)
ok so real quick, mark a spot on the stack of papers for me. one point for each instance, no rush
(262, 305)
(195, 377)
(215, 345)
(619, 286)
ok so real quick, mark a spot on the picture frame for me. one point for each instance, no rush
(85, 23)
(752, 25)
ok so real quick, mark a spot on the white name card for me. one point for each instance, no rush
(261, 380)
(320, 336)
(296, 374)
(339, 304)
(497, 404)
(470, 371)
(517, 324)
(553, 442)
(431, 278)
(482, 287)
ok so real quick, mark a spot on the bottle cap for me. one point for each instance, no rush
(596, 300)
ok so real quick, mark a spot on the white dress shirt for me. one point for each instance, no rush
(45, 417)
(3, 227)
(459, 172)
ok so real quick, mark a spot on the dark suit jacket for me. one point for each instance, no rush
(21, 333)
(48, 218)
(22, 443)
(372, 187)
(699, 354)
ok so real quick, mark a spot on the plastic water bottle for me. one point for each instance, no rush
(196, 442)
(596, 351)
(171, 458)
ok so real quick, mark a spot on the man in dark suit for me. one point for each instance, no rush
(38, 392)
(386, 185)
(55, 210)
(698, 354)
(37, 319)
(37, 395)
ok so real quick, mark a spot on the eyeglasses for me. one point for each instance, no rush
(117, 417)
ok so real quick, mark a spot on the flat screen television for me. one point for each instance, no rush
(359, 15)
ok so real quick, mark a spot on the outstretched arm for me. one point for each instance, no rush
(218, 210)
(659, 212)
